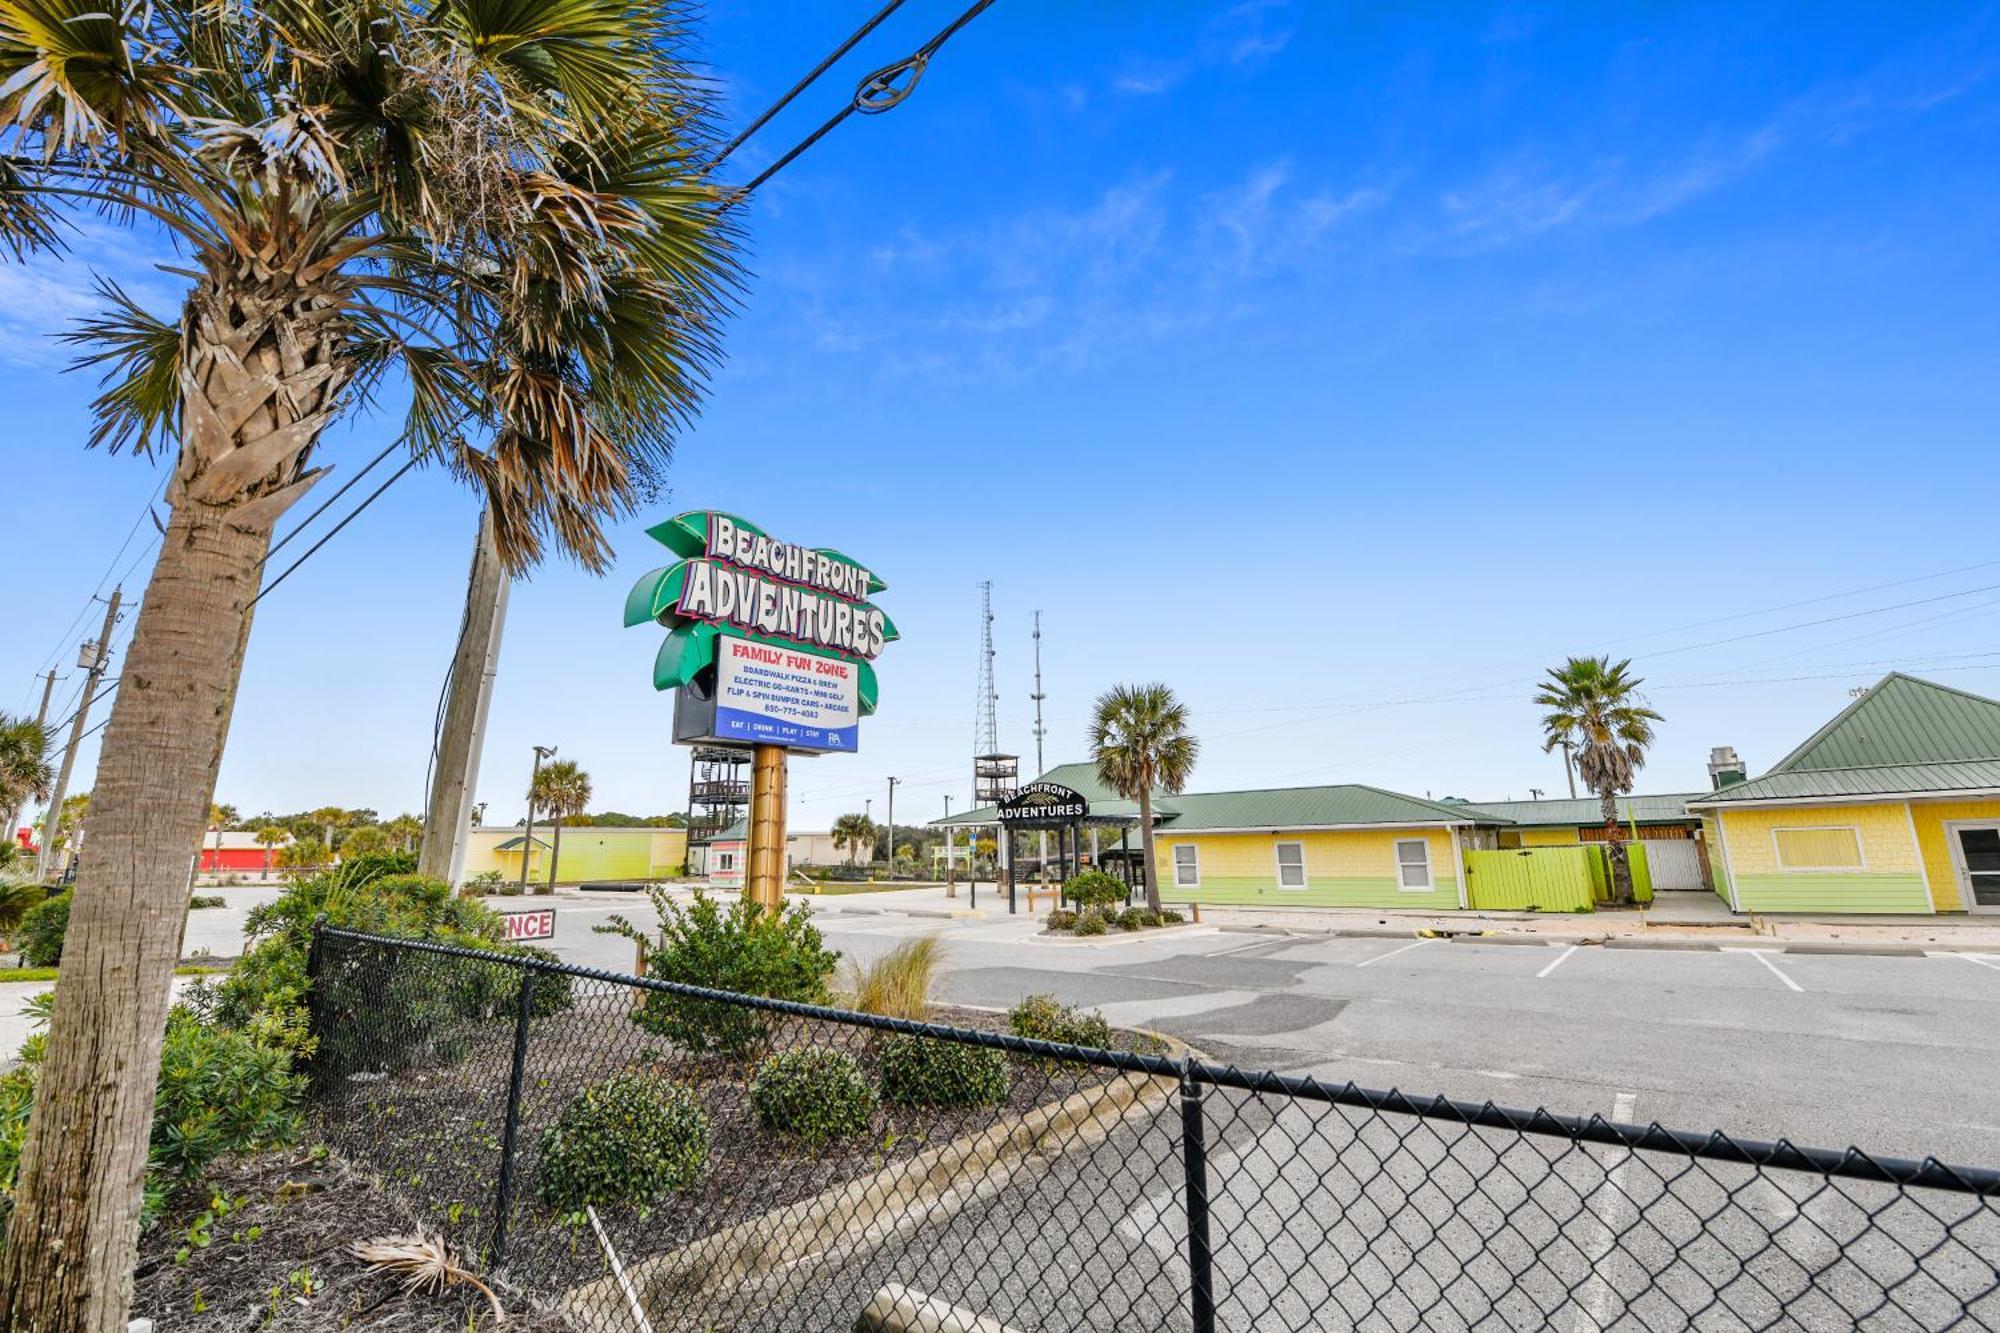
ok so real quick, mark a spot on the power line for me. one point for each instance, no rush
(799, 87)
(352, 514)
(328, 502)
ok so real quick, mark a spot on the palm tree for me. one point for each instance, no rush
(562, 789)
(25, 772)
(853, 832)
(268, 837)
(1595, 709)
(1140, 740)
(220, 817)
(405, 831)
(494, 211)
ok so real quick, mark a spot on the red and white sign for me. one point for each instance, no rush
(539, 924)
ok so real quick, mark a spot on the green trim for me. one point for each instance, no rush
(1833, 893)
(1320, 891)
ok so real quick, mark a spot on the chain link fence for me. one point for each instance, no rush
(644, 1157)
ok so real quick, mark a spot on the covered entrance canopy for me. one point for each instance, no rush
(1066, 801)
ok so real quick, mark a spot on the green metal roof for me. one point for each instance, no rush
(514, 845)
(1902, 720)
(1975, 775)
(737, 832)
(1667, 809)
(1270, 807)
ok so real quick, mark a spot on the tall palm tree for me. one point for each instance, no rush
(270, 837)
(562, 789)
(853, 832)
(220, 817)
(25, 772)
(493, 210)
(1595, 708)
(1140, 740)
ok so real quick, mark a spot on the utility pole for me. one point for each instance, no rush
(892, 829)
(41, 720)
(528, 832)
(455, 762)
(950, 852)
(94, 657)
(1569, 766)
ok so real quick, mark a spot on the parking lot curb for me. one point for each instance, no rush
(1858, 947)
(1641, 942)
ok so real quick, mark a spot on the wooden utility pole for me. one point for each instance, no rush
(892, 830)
(455, 766)
(764, 877)
(99, 659)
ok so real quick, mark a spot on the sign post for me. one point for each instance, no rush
(770, 647)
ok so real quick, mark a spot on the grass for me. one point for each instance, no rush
(898, 984)
(833, 888)
(9, 974)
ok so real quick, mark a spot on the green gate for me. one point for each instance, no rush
(1549, 879)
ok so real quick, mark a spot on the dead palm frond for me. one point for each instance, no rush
(426, 1264)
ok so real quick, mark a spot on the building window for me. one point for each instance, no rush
(1291, 865)
(725, 861)
(1413, 864)
(1837, 848)
(1187, 869)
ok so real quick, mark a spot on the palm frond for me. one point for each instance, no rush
(139, 355)
(426, 1264)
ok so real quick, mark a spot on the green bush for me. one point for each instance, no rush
(1094, 888)
(40, 937)
(1044, 1018)
(1090, 923)
(629, 1139)
(740, 948)
(1132, 918)
(201, 900)
(370, 866)
(927, 1071)
(1062, 920)
(814, 1095)
(1169, 917)
(18, 896)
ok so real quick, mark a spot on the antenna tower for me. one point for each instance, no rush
(1038, 696)
(986, 723)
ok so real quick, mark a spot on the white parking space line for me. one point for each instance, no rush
(1612, 1209)
(1561, 958)
(1759, 955)
(1983, 962)
(1367, 962)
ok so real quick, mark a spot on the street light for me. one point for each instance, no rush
(528, 834)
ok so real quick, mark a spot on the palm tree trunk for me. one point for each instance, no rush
(261, 366)
(1146, 838)
(555, 858)
(1614, 846)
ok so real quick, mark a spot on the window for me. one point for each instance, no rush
(1291, 865)
(1413, 864)
(725, 860)
(1187, 870)
(1836, 848)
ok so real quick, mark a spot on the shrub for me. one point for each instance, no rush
(740, 948)
(1169, 917)
(18, 896)
(1132, 918)
(1044, 1018)
(898, 984)
(40, 937)
(1090, 923)
(1094, 888)
(367, 867)
(927, 1071)
(201, 900)
(814, 1095)
(628, 1139)
(1061, 920)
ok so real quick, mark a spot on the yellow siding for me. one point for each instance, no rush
(1931, 818)
(1548, 837)
(1890, 880)
(1344, 868)
(587, 853)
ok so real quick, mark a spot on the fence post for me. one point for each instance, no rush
(314, 961)
(504, 1195)
(1194, 1161)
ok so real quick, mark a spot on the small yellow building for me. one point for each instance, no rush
(588, 853)
(1891, 807)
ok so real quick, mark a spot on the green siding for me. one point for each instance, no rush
(1833, 893)
(1320, 891)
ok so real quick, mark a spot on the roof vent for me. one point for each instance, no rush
(1724, 768)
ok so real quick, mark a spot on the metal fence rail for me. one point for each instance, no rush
(1052, 1188)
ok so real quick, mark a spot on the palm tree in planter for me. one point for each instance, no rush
(562, 789)
(1140, 740)
(1595, 708)
(852, 833)
(493, 210)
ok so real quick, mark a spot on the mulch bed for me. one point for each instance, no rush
(432, 1133)
(280, 1259)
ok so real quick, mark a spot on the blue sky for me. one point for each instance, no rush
(1338, 364)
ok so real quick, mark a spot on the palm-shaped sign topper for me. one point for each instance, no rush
(789, 629)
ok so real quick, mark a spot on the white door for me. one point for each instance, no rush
(1675, 863)
(1975, 850)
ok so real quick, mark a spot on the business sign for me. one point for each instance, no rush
(537, 924)
(766, 695)
(770, 642)
(1044, 803)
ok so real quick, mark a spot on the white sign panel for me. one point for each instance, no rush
(771, 695)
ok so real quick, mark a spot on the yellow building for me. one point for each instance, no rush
(588, 853)
(1891, 807)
